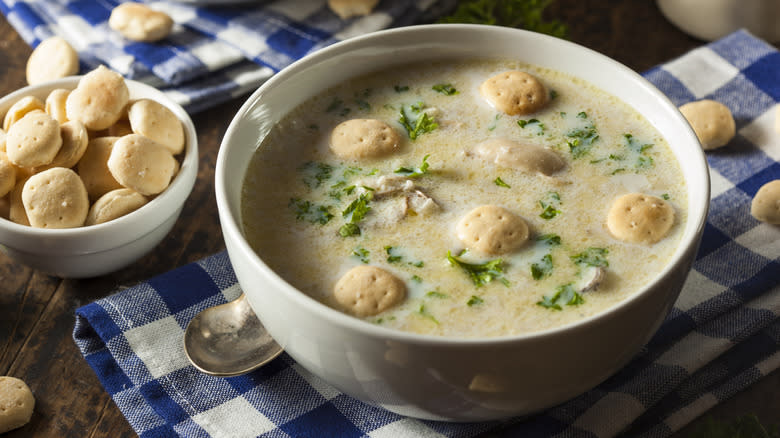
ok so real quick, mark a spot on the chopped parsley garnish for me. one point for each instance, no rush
(401, 88)
(315, 173)
(446, 89)
(414, 172)
(494, 125)
(337, 105)
(549, 211)
(391, 256)
(543, 268)
(416, 278)
(361, 253)
(474, 300)
(419, 125)
(666, 197)
(424, 313)
(354, 213)
(643, 161)
(480, 273)
(553, 94)
(349, 230)
(564, 296)
(550, 239)
(363, 105)
(436, 294)
(500, 182)
(592, 257)
(581, 139)
(550, 206)
(532, 123)
(310, 212)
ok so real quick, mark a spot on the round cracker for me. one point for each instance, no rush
(369, 290)
(34, 140)
(491, 229)
(142, 164)
(16, 212)
(515, 92)
(99, 99)
(93, 167)
(640, 218)
(53, 58)
(16, 403)
(711, 121)
(363, 138)
(74, 144)
(351, 8)
(766, 203)
(21, 108)
(7, 175)
(114, 204)
(55, 104)
(139, 22)
(55, 198)
(154, 120)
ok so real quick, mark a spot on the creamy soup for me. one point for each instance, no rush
(312, 216)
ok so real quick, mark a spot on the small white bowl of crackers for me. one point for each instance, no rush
(94, 172)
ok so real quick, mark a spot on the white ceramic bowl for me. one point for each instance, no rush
(99, 249)
(445, 378)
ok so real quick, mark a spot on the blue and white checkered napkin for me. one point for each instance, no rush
(214, 53)
(723, 334)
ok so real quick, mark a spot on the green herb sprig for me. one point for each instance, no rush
(480, 273)
(526, 14)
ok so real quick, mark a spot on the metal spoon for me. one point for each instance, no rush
(228, 340)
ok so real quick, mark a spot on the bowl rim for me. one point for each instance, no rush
(135, 224)
(689, 239)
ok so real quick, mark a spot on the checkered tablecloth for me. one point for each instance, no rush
(722, 335)
(214, 53)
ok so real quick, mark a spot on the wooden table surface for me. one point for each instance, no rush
(37, 311)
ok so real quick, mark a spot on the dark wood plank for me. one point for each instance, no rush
(37, 311)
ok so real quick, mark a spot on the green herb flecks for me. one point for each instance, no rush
(401, 88)
(337, 106)
(525, 14)
(549, 239)
(550, 206)
(414, 172)
(422, 311)
(580, 140)
(436, 294)
(532, 123)
(500, 182)
(564, 296)
(361, 253)
(353, 214)
(315, 173)
(446, 89)
(392, 256)
(474, 301)
(639, 150)
(494, 124)
(592, 256)
(416, 121)
(480, 273)
(310, 212)
(543, 268)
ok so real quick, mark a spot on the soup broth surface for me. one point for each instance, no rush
(296, 193)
